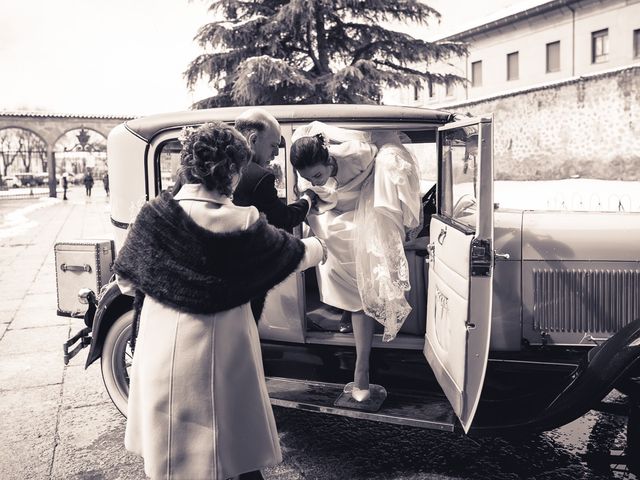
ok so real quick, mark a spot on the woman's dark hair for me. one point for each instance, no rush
(308, 151)
(211, 154)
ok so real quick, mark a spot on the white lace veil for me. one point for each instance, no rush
(389, 207)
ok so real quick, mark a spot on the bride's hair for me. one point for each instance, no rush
(308, 151)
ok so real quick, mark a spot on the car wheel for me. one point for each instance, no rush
(116, 361)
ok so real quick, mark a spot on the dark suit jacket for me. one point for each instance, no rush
(257, 188)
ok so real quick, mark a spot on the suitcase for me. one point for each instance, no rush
(81, 264)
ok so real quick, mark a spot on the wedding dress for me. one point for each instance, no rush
(364, 214)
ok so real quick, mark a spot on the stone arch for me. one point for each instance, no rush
(52, 126)
(22, 150)
(73, 128)
(81, 148)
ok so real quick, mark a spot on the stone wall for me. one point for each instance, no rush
(587, 127)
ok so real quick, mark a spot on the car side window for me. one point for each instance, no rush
(278, 167)
(459, 173)
(169, 162)
(421, 144)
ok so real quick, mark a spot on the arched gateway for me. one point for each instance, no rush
(75, 141)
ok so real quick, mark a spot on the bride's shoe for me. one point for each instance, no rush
(365, 399)
(360, 395)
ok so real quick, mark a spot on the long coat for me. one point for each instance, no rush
(198, 403)
(88, 180)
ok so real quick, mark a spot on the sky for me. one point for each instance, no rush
(127, 57)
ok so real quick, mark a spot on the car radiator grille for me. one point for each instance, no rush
(585, 300)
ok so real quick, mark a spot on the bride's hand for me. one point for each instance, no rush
(313, 199)
(313, 196)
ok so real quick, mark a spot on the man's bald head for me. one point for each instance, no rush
(262, 131)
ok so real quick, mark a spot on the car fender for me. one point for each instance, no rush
(111, 304)
(603, 367)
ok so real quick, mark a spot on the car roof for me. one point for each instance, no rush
(148, 127)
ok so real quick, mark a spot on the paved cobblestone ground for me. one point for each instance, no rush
(57, 422)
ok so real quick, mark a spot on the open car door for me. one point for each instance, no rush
(461, 265)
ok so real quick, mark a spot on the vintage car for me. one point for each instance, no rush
(11, 182)
(521, 320)
(32, 179)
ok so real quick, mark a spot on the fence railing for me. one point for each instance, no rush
(26, 192)
(573, 195)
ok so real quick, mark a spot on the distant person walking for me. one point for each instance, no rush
(65, 185)
(105, 181)
(88, 183)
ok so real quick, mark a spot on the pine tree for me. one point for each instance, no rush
(315, 51)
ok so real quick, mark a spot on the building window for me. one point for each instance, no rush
(600, 46)
(476, 74)
(512, 66)
(636, 43)
(448, 89)
(416, 93)
(553, 57)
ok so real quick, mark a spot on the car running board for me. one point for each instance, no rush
(398, 408)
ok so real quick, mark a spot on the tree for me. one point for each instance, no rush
(9, 151)
(315, 51)
(24, 145)
(34, 146)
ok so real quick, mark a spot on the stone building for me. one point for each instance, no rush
(562, 79)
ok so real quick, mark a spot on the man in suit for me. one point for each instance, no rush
(257, 184)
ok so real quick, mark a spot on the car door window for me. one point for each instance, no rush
(169, 162)
(421, 144)
(458, 196)
(278, 167)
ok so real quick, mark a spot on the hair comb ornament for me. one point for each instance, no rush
(185, 133)
(321, 138)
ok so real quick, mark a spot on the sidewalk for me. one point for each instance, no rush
(56, 421)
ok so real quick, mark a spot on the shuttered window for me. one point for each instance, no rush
(553, 57)
(512, 66)
(600, 46)
(476, 74)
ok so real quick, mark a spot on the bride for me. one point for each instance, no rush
(369, 200)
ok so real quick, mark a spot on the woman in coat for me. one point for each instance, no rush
(88, 183)
(198, 403)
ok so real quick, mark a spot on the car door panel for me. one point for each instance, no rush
(447, 306)
(460, 265)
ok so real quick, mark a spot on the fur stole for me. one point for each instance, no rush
(169, 257)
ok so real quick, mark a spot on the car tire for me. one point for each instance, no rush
(116, 361)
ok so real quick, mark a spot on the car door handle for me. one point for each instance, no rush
(500, 256)
(443, 234)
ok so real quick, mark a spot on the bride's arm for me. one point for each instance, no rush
(331, 133)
